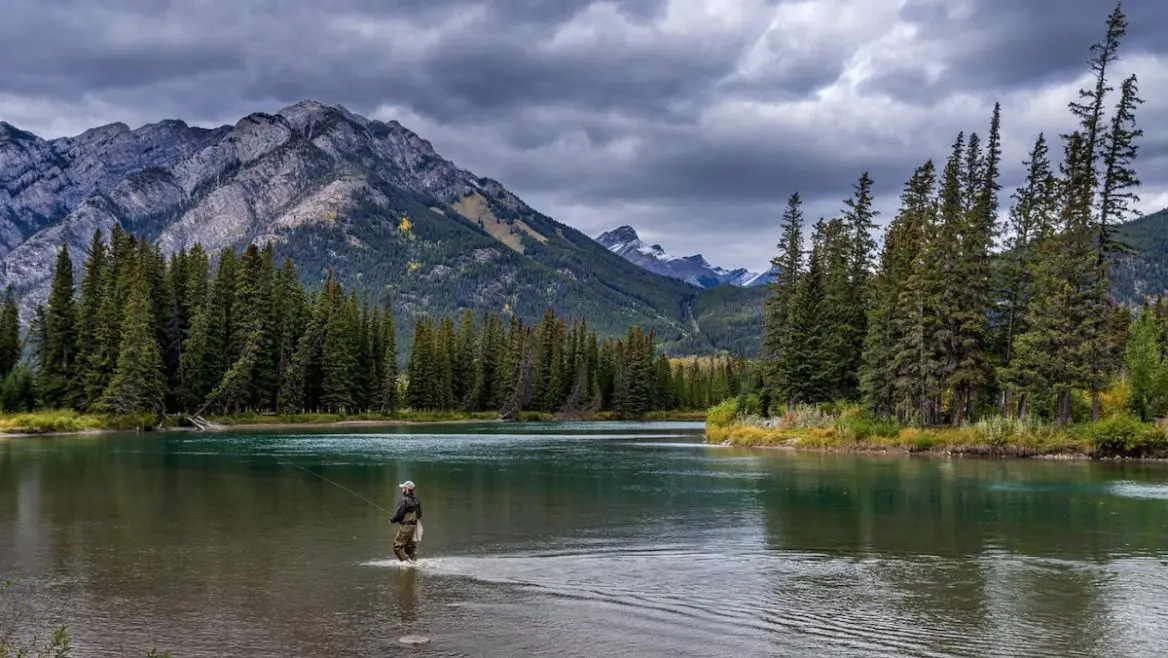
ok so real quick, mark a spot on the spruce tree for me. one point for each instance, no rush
(969, 308)
(444, 350)
(194, 382)
(9, 334)
(1053, 353)
(892, 273)
(913, 354)
(859, 219)
(389, 371)
(92, 290)
(464, 362)
(789, 265)
(336, 355)
(805, 332)
(59, 369)
(1146, 368)
(491, 362)
(423, 368)
(1030, 221)
(138, 385)
(838, 353)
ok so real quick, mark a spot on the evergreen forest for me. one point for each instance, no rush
(965, 313)
(141, 334)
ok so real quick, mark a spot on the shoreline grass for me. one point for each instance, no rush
(58, 422)
(848, 429)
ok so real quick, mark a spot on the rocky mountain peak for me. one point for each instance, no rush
(621, 234)
(694, 270)
(100, 134)
(12, 133)
(332, 191)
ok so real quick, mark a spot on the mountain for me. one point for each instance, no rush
(369, 201)
(694, 270)
(41, 181)
(1143, 271)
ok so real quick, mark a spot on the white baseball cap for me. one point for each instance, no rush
(408, 484)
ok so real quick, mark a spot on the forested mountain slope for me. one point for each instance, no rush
(370, 201)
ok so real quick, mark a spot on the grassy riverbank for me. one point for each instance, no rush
(848, 429)
(51, 422)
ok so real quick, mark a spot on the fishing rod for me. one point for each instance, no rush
(339, 485)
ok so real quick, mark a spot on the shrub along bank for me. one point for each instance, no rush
(846, 427)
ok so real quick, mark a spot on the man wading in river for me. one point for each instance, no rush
(409, 512)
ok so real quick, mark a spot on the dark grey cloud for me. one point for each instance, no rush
(1002, 45)
(692, 120)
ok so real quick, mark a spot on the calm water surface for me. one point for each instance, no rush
(577, 540)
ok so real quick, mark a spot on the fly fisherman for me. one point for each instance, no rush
(409, 512)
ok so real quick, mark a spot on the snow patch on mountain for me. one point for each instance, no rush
(695, 269)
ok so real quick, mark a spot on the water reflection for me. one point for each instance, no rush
(407, 598)
(650, 544)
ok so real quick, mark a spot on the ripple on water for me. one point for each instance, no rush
(683, 593)
(1140, 490)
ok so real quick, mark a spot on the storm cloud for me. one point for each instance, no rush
(692, 120)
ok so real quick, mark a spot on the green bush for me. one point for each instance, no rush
(751, 404)
(722, 414)
(917, 441)
(1123, 435)
(860, 427)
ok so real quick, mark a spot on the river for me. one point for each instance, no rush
(594, 539)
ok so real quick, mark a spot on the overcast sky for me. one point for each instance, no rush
(692, 120)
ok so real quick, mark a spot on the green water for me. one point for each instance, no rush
(577, 540)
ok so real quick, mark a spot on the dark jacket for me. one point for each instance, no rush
(408, 503)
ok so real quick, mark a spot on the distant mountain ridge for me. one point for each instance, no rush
(369, 201)
(1145, 271)
(694, 270)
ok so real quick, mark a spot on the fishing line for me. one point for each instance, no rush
(314, 498)
(338, 484)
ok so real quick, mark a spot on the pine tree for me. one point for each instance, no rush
(901, 242)
(464, 362)
(389, 385)
(1119, 178)
(509, 371)
(789, 264)
(804, 333)
(222, 346)
(138, 385)
(92, 289)
(269, 311)
(859, 220)
(1052, 353)
(18, 391)
(1030, 221)
(423, 368)
(913, 359)
(9, 334)
(838, 356)
(444, 350)
(290, 318)
(1089, 108)
(968, 309)
(544, 358)
(337, 359)
(101, 360)
(59, 369)
(1147, 371)
(490, 364)
(193, 377)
